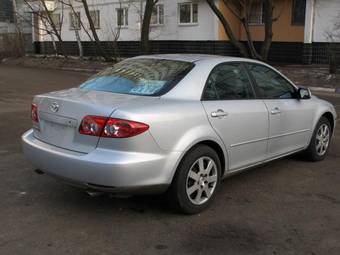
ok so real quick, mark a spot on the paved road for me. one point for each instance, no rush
(285, 207)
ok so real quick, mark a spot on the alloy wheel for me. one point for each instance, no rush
(322, 139)
(201, 180)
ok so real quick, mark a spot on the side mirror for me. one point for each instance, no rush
(304, 93)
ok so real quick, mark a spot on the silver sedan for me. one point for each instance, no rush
(176, 124)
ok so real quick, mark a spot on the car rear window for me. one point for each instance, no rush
(147, 77)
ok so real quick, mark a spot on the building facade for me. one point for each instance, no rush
(15, 17)
(301, 31)
(6, 16)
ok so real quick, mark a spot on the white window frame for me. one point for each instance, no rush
(259, 23)
(158, 17)
(96, 22)
(125, 17)
(191, 14)
(73, 15)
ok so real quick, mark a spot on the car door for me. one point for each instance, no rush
(236, 115)
(290, 118)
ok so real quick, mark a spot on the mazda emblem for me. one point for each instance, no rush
(54, 107)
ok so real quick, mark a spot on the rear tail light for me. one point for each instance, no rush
(92, 125)
(34, 113)
(111, 127)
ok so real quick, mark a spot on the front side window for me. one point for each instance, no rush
(299, 11)
(146, 77)
(157, 17)
(188, 13)
(95, 16)
(228, 82)
(270, 84)
(75, 20)
(122, 17)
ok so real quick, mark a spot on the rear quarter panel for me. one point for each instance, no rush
(175, 125)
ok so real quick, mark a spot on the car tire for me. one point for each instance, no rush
(196, 181)
(319, 144)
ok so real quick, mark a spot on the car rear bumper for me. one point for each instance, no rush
(103, 169)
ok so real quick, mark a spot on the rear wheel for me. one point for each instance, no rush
(319, 145)
(196, 181)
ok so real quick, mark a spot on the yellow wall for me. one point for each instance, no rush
(233, 21)
(283, 30)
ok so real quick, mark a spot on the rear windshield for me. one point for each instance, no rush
(147, 77)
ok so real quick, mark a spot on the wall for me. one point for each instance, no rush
(326, 14)
(283, 30)
(206, 29)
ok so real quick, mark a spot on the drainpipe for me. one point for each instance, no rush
(309, 32)
(140, 18)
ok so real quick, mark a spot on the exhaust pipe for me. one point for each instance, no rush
(38, 171)
(92, 193)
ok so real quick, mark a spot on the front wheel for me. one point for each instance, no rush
(319, 145)
(196, 181)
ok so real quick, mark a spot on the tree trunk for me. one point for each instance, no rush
(76, 32)
(18, 27)
(254, 54)
(227, 28)
(332, 59)
(145, 43)
(95, 35)
(268, 28)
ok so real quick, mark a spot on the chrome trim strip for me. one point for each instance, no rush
(291, 133)
(246, 142)
(58, 119)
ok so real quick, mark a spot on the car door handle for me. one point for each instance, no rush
(219, 113)
(275, 111)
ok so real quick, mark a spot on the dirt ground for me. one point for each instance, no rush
(288, 207)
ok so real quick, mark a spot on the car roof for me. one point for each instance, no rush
(196, 57)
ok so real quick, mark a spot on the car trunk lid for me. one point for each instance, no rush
(60, 114)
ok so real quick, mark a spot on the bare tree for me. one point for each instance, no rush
(55, 29)
(49, 26)
(145, 42)
(18, 28)
(333, 35)
(241, 9)
(94, 33)
(76, 24)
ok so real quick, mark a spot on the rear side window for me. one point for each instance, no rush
(228, 81)
(270, 84)
(147, 77)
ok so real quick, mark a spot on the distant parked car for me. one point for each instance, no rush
(176, 124)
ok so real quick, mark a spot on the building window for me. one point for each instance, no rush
(299, 11)
(122, 17)
(256, 16)
(95, 16)
(157, 17)
(75, 20)
(55, 17)
(188, 13)
(6, 11)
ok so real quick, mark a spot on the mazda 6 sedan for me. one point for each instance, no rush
(174, 124)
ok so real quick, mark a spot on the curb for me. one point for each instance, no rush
(327, 90)
(80, 70)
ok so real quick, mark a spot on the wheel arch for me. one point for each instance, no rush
(329, 116)
(217, 146)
